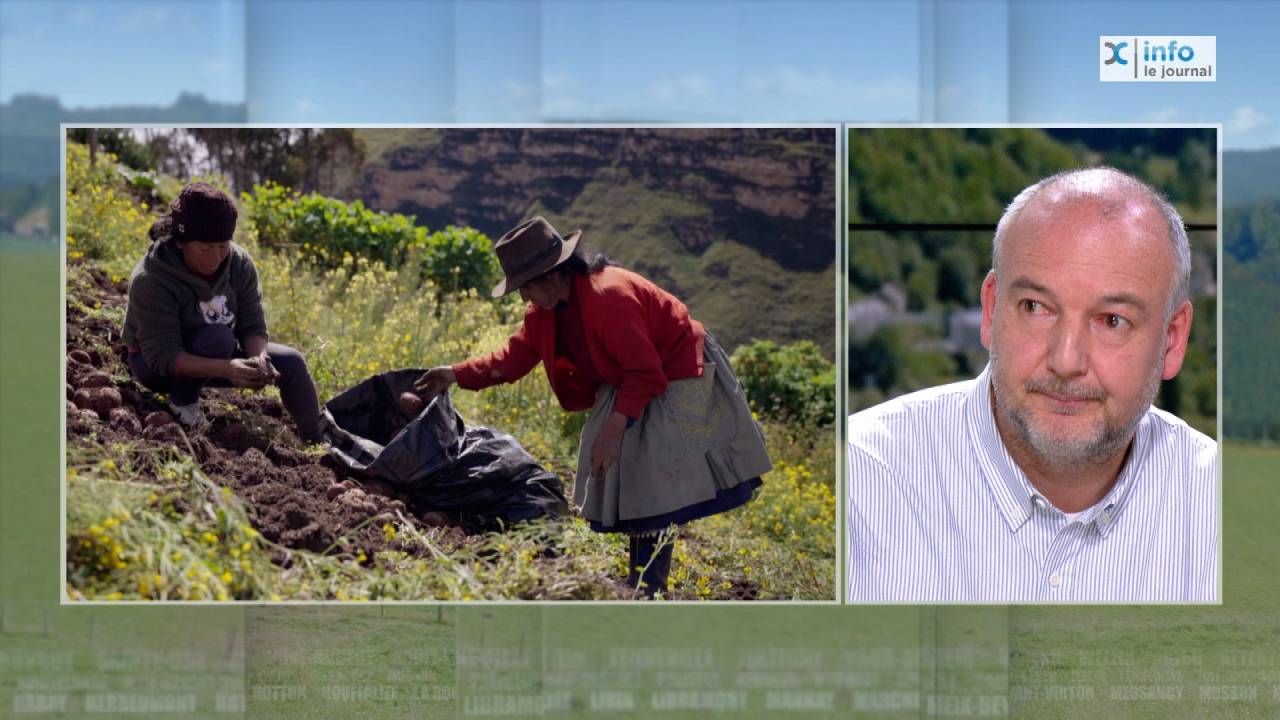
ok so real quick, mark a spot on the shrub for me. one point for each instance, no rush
(103, 223)
(787, 382)
(456, 259)
(330, 230)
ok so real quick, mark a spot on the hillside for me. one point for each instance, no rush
(731, 221)
(1249, 176)
(1251, 288)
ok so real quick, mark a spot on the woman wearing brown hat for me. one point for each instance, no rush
(670, 437)
(195, 315)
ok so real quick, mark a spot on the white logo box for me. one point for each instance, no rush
(1158, 58)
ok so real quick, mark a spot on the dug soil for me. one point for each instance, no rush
(297, 496)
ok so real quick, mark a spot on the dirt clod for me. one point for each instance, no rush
(123, 418)
(235, 436)
(95, 379)
(435, 519)
(169, 434)
(98, 399)
(131, 397)
(281, 455)
(158, 418)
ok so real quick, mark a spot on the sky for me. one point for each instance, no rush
(524, 61)
(92, 54)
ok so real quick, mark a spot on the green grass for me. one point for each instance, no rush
(378, 143)
(324, 662)
(1052, 644)
(29, 437)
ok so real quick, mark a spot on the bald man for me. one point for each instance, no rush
(1050, 477)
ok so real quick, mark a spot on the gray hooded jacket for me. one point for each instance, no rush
(167, 301)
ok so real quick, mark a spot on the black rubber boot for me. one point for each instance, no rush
(650, 565)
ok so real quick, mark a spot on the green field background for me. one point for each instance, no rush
(593, 661)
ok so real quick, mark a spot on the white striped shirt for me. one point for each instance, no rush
(939, 512)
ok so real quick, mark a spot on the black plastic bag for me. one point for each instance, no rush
(480, 477)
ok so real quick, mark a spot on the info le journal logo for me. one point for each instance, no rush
(1158, 58)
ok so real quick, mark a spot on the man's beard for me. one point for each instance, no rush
(1108, 437)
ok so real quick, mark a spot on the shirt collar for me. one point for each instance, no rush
(1013, 493)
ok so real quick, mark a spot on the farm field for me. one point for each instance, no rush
(242, 510)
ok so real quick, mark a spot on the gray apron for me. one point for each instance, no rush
(692, 441)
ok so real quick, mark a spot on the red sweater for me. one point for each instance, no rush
(640, 338)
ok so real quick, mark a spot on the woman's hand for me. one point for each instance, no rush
(245, 372)
(263, 362)
(433, 382)
(255, 350)
(607, 445)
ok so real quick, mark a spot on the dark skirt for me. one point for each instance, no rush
(724, 500)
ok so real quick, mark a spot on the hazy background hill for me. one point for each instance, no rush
(29, 172)
(1251, 296)
(738, 223)
(1249, 176)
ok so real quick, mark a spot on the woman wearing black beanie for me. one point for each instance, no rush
(195, 315)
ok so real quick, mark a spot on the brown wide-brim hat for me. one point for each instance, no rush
(530, 249)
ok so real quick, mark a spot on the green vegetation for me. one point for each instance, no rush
(1251, 282)
(792, 381)
(145, 526)
(389, 662)
(329, 232)
(117, 142)
(380, 143)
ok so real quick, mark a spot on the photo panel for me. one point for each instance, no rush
(1033, 365)
(450, 364)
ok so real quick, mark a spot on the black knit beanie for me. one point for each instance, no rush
(203, 213)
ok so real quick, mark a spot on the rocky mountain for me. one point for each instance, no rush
(739, 223)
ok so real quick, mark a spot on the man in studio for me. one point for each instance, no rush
(1050, 477)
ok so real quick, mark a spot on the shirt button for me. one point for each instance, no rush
(1055, 580)
(1039, 502)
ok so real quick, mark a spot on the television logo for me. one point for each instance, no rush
(1158, 58)
(1115, 49)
